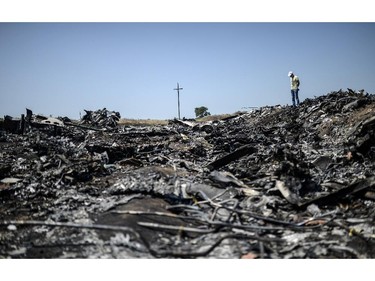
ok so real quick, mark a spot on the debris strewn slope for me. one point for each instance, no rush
(276, 182)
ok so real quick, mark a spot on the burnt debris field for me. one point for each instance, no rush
(273, 183)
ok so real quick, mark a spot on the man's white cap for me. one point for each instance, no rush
(290, 73)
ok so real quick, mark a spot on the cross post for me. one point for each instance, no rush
(178, 98)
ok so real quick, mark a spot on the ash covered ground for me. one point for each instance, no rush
(274, 183)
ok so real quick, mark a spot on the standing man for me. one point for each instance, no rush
(294, 86)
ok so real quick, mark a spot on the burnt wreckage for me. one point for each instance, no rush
(276, 182)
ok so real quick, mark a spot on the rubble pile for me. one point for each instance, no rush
(101, 118)
(276, 182)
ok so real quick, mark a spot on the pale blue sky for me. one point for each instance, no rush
(60, 69)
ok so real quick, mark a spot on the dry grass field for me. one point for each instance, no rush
(141, 122)
(155, 122)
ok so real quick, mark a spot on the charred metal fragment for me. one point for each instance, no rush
(242, 151)
(335, 197)
(101, 118)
